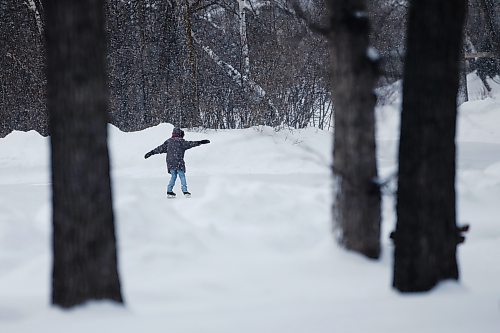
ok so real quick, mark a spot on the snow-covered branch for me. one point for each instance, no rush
(232, 72)
(235, 75)
(256, 6)
(38, 18)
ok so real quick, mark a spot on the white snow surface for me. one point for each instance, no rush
(252, 250)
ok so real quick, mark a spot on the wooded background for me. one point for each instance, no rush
(215, 63)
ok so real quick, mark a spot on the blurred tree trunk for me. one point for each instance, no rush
(84, 246)
(426, 232)
(357, 203)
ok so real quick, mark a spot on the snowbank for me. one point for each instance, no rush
(252, 250)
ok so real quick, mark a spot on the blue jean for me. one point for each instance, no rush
(173, 177)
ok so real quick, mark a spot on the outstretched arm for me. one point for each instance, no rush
(191, 144)
(158, 150)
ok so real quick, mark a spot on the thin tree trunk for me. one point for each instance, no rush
(357, 203)
(186, 95)
(192, 81)
(244, 40)
(258, 93)
(145, 86)
(245, 59)
(84, 245)
(426, 232)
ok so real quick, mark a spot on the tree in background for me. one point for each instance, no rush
(387, 34)
(490, 13)
(22, 79)
(84, 245)
(356, 209)
(212, 63)
(215, 64)
(426, 233)
(483, 40)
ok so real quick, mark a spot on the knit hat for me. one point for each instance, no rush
(177, 133)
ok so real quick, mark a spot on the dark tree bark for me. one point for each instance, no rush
(84, 246)
(426, 234)
(357, 203)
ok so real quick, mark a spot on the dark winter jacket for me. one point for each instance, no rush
(175, 148)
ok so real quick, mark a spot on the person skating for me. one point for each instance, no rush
(175, 148)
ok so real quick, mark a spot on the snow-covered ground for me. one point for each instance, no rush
(252, 250)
